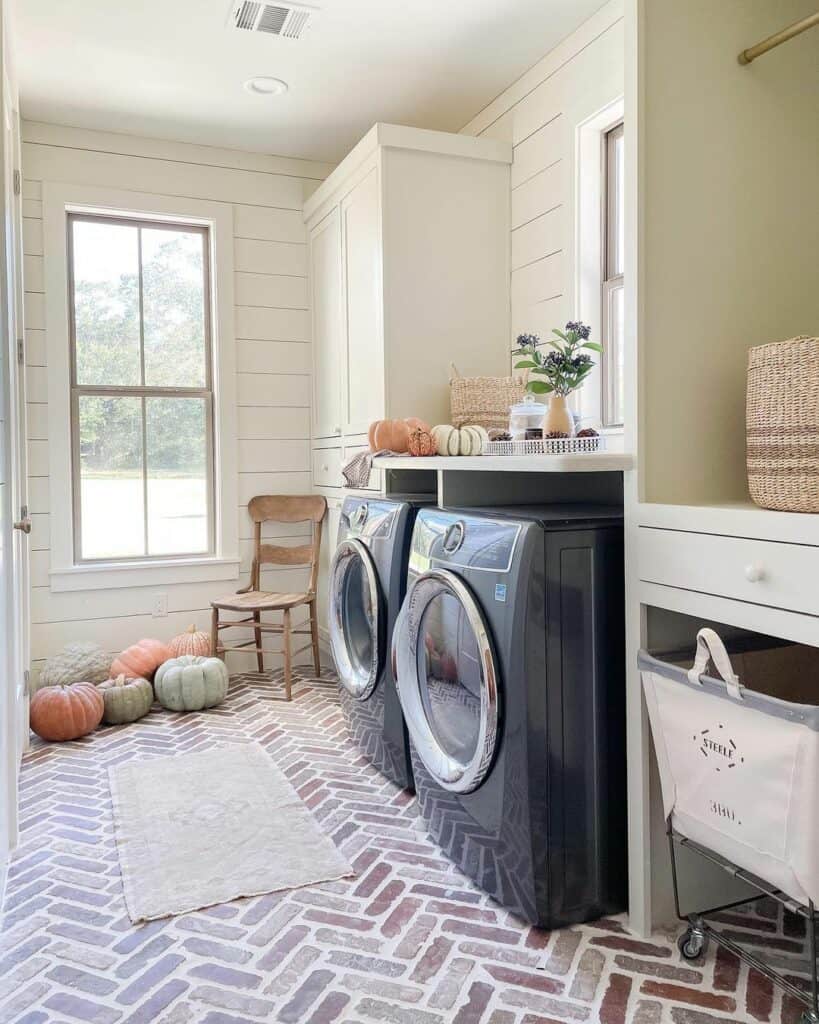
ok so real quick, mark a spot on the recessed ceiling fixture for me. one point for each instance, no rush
(263, 85)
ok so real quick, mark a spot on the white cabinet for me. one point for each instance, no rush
(409, 260)
(325, 274)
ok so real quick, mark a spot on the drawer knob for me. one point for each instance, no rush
(754, 573)
(325, 468)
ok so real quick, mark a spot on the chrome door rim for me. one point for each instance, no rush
(449, 772)
(360, 684)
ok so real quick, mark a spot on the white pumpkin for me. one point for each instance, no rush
(76, 662)
(191, 683)
(469, 440)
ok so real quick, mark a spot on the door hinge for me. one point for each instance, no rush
(26, 681)
(17, 183)
(21, 351)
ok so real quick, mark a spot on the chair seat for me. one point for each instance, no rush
(260, 600)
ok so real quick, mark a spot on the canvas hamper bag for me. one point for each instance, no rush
(782, 425)
(739, 769)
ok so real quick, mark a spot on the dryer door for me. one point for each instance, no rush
(356, 619)
(447, 680)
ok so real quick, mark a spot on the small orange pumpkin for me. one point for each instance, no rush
(66, 712)
(192, 641)
(421, 442)
(142, 659)
(392, 435)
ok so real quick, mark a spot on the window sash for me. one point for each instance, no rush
(141, 391)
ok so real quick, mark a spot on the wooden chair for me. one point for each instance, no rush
(280, 509)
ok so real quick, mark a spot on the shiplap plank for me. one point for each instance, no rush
(540, 280)
(32, 190)
(259, 257)
(37, 457)
(34, 306)
(542, 192)
(271, 225)
(272, 356)
(540, 237)
(37, 421)
(39, 537)
(35, 347)
(32, 236)
(251, 484)
(540, 317)
(279, 291)
(261, 323)
(286, 456)
(33, 208)
(162, 177)
(38, 493)
(33, 273)
(547, 145)
(266, 422)
(289, 390)
(37, 384)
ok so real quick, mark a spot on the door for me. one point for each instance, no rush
(14, 521)
(325, 273)
(447, 680)
(364, 349)
(357, 617)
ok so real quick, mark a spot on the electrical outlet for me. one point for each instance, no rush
(160, 606)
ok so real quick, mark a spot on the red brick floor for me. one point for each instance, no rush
(408, 941)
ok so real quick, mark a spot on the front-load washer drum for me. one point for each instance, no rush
(447, 680)
(356, 619)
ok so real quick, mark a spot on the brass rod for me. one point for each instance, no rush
(779, 37)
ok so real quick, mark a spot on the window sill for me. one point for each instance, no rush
(116, 575)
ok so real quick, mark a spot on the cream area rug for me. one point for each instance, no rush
(209, 827)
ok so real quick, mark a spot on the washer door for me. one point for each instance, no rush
(447, 680)
(356, 619)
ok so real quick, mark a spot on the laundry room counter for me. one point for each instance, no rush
(508, 479)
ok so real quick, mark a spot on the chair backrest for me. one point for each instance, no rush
(286, 508)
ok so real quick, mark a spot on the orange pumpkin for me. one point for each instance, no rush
(392, 435)
(141, 660)
(192, 641)
(421, 442)
(66, 712)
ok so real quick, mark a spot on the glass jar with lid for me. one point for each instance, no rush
(526, 415)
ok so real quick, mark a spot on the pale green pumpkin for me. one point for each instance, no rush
(191, 683)
(77, 662)
(126, 699)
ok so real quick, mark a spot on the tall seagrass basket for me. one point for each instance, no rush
(782, 425)
(483, 401)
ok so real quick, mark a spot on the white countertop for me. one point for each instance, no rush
(583, 462)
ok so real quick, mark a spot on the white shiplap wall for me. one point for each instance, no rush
(539, 114)
(272, 324)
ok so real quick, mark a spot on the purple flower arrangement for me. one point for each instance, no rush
(562, 370)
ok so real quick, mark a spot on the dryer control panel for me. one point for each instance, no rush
(446, 538)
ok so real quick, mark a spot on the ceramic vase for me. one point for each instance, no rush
(558, 418)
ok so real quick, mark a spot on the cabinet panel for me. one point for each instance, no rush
(364, 371)
(327, 467)
(325, 272)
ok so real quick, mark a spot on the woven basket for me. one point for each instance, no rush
(483, 401)
(782, 419)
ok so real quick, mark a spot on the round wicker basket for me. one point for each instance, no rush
(782, 424)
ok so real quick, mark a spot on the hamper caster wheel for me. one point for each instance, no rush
(692, 944)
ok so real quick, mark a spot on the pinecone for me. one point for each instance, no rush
(499, 435)
(587, 432)
(554, 436)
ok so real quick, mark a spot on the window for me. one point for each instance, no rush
(141, 388)
(612, 302)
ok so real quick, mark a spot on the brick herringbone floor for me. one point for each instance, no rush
(408, 941)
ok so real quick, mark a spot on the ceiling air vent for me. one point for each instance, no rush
(287, 20)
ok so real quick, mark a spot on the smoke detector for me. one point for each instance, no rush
(290, 21)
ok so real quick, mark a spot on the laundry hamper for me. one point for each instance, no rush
(739, 772)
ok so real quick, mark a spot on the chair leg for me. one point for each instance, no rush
(287, 667)
(315, 635)
(257, 618)
(214, 633)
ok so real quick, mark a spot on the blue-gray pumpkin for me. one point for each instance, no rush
(191, 683)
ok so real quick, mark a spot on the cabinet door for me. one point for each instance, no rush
(325, 273)
(364, 369)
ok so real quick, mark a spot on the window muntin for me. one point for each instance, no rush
(141, 389)
(613, 264)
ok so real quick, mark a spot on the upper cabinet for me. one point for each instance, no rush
(409, 259)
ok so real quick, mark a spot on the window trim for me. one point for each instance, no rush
(609, 281)
(222, 562)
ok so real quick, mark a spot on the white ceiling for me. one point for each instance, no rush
(172, 69)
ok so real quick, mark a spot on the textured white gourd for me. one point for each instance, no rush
(468, 440)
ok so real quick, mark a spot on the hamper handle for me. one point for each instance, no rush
(453, 373)
(711, 648)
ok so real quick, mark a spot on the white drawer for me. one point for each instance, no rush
(327, 463)
(375, 474)
(763, 572)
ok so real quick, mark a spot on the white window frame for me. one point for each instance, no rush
(610, 279)
(590, 249)
(223, 563)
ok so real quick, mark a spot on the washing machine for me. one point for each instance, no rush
(509, 662)
(367, 581)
